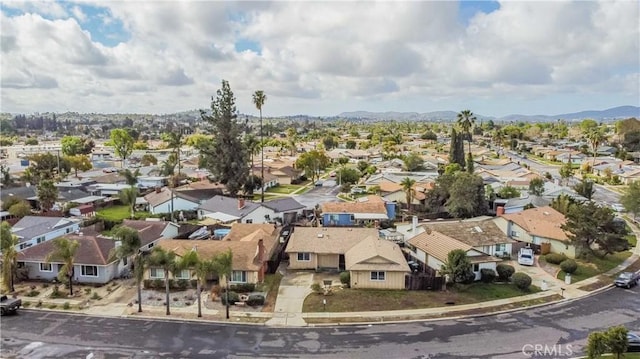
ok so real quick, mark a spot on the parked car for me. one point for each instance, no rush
(358, 190)
(633, 342)
(9, 305)
(627, 279)
(618, 207)
(525, 256)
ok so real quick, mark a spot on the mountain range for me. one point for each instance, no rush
(601, 115)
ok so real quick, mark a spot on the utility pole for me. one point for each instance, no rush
(261, 161)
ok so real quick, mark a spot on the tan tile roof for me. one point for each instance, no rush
(475, 234)
(204, 184)
(156, 198)
(372, 253)
(327, 240)
(372, 204)
(92, 250)
(542, 222)
(437, 244)
(239, 231)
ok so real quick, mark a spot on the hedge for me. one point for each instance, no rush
(555, 258)
(505, 271)
(487, 275)
(569, 266)
(521, 280)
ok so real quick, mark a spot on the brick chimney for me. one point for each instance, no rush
(240, 203)
(158, 189)
(261, 260)
(500, 211)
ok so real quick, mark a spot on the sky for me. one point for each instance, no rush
(320, 58)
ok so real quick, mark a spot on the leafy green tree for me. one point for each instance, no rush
(64, 251)
(536, 186)
(589, 225)
(223, 264)
(8, 243)
(429, 136)
(617, 340)
(74, 145)
(227, 155)
(466, 196)
(165, 260)
(562, 203)
(413, 162)
(507, 192)
(630, 200)
(350, 144)
(469, 163)
(466, 120)
(407, 186)
(122, 143)
(588, 124)
(148, 160)
(312, 162)
(329, 142)
(343, 161)
(348, 175)
(566, 171)
(456, 149)
(596, 345)
(458, 267)
(20, 209)
(47, 194)
(251, 184)
(129, 246)
(79, 163)
(585, 188)
(362, 166)
(128, 197)
(46, 166)
(32, 141)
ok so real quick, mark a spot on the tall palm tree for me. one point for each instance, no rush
(407, 186)
(129, 195)
(167, 261)
(64, 251)
(466, 120)
(258, 99)
(8, 245)
(202, 269)
(174, 141)
(223, 264)
(595, 137)
(129, 247)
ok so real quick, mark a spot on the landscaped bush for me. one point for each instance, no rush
(487, 275)
(33, 293)
(317, 288)
(505, 271)
(255, 300)
(182, 284)
(345, 278)
(569, 266)
(233, 298)
(95, 296)
(157, 284)
(521, 280)
(555, 258)
(66, 306)
(243, 287)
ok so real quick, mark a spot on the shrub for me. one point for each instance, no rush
(52, 306)
(243, 287)
(146, 284)
(182, 284)
(255, 300)
(521, 280)
(33, 293)
(26, 304)
(157, 284)
(555, 258)
(66, 306)
(569, 266)
(487, 275)
(216, 290)
(233, 298)
(505, 271)
(345, 278)
(87, 291)
(96, 296)
(316, 288)
(45, 285)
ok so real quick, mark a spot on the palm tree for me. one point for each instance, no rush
(223, 264)
(174, 141)
(8, 245)
(131, 177)
(466, 120)
(407, 186)
(202, 269)
(64, 251)
(47, 194)
(595, 137)
(258, 99)
(129, 247)
(167, 261)
(129, 195)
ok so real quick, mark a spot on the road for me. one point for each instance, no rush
(561, 329)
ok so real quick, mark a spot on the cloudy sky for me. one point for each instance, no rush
(320, 58)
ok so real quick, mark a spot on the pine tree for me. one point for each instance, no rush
(456, 151)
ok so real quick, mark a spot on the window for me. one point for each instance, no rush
(68, 230)
(500, 247)
(379, 276)
(249, 221)
(476, 267)
(46, 267)
(151, 245)
(156, 273)
(183, 274)
(239, 276)
(515, 234)
(304, 257)
(89, 271)
(39, 240)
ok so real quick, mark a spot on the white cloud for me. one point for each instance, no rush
(322, 57)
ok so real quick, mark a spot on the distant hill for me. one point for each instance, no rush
(608, 114)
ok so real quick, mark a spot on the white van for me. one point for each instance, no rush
(525, 256)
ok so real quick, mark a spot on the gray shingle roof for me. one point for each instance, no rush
(280, 205)
(33, 226)
(228, 205)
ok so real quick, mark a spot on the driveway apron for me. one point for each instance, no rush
(294, 288)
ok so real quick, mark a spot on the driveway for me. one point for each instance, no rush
(294, 288)
(539, 275)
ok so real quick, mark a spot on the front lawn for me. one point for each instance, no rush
(593, 266)
(115, 213)
(356, 300)
(284, 189)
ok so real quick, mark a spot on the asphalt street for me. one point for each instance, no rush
(557, 331)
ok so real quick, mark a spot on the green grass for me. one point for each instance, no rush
(594, 266)
(284, 188)
(354, 300)
(115, 213)
(633, 241)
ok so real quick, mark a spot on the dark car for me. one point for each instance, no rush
(627, 279)
(633, 342)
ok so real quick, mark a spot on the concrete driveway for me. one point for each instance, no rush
(539, 275)
(294, 288)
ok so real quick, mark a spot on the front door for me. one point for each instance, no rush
(341, 264)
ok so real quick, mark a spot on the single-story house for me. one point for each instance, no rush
(152, 181)
(431, 249)
(150, 232)
(83, 210)
(376, 264)
(230, 210)
(164, 200)
(536, 226)
(365, 209)
(32, 230)
(483, 235)
(287, 209)
(91, 262)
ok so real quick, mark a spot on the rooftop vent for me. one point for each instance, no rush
(320, 235)
(477, 229)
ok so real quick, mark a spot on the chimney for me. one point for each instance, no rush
(240, 203)
(158, 189)
(500, 211)
(414, 224)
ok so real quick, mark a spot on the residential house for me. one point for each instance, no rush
(431, 249)
(107, 189)
(83, 210)
(201, 190)
(394, 192)
(166, 200)
(286, 209)
(91, 262)
(376, 264)
(606, 151)
(27, 193)
(152, 181)
(150, 232)
(575, 157)
(285, 175)
(230, 210)
(252, 246)
(536, 226)
(32, 230)
(364, 210)
(630, 176)
(483, 235)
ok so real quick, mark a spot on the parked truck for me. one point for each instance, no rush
(9, 305)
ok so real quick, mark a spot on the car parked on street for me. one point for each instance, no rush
(9, 305)
(633, 344)
(627, 279)
(525, 256)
